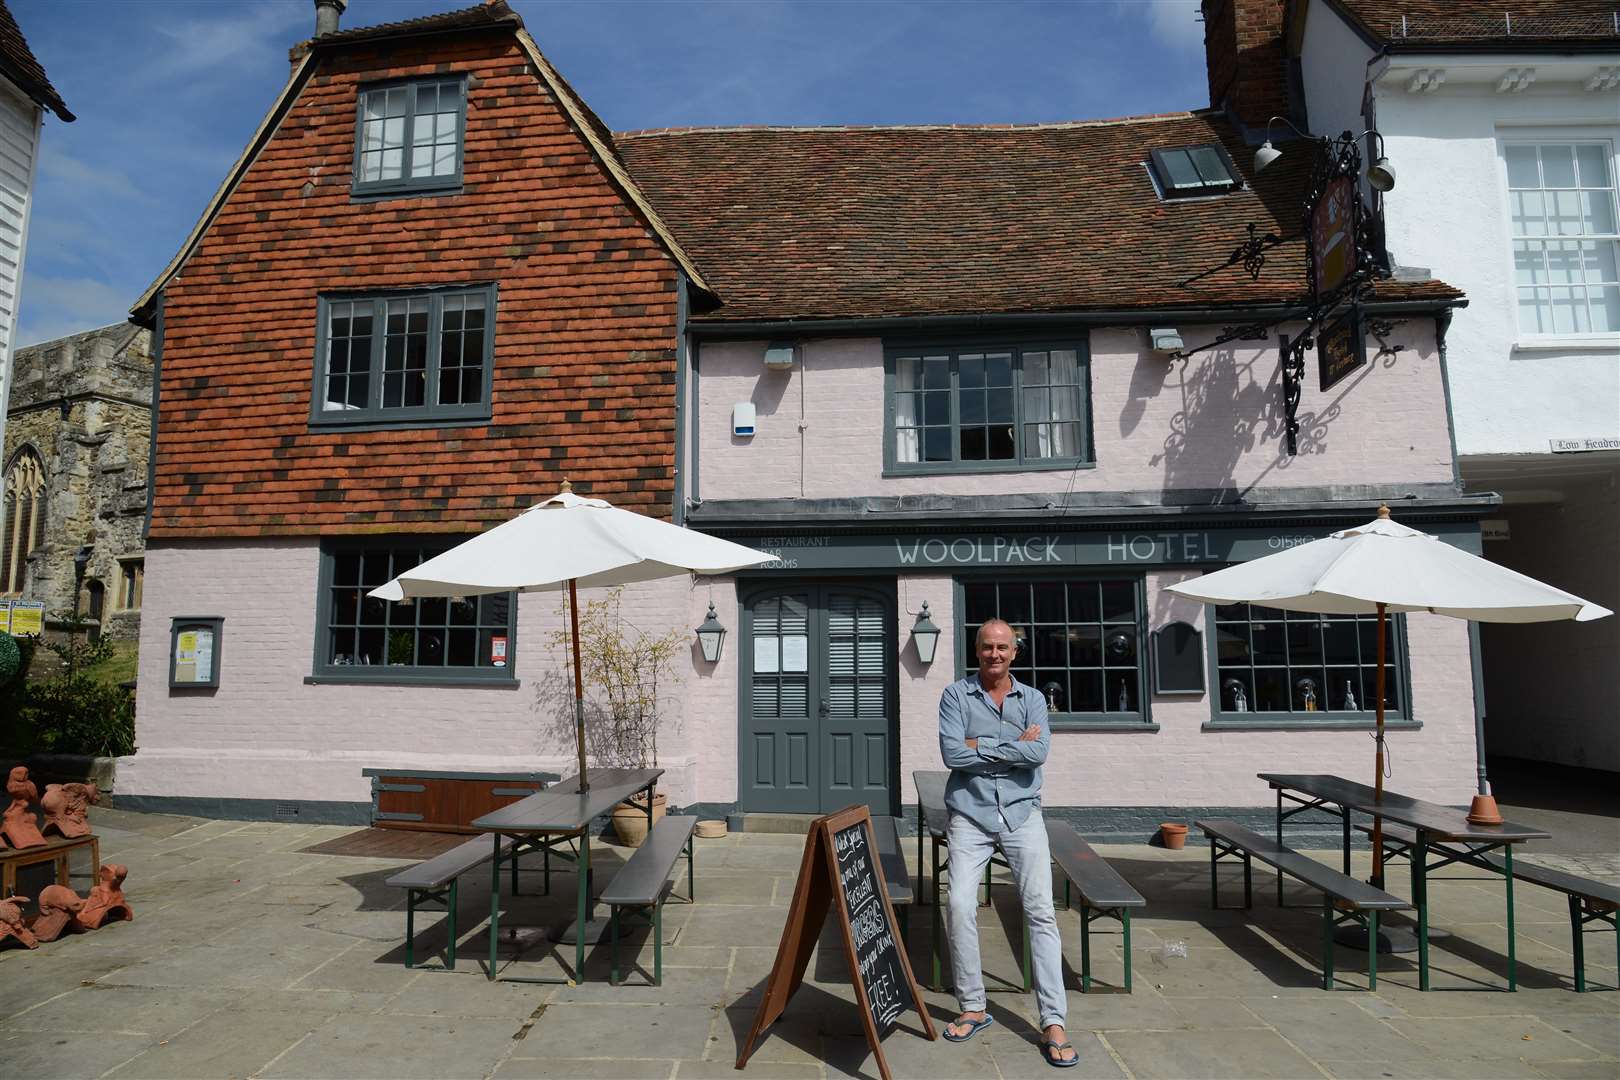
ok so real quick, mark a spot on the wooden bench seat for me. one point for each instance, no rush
(434, 881)
(1103, 892)
(1590, 900)
(1342, 896)
(643, 883)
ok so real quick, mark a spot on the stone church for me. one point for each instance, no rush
(77, 437)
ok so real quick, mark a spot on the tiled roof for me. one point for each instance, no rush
(18, 63)
(480, 16)
(892, 221)
(1493, 24)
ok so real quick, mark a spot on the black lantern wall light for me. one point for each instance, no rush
(1344, 243)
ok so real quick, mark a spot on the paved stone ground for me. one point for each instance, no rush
(249, 957)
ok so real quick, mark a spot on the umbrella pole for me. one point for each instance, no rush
(579, 683)
(1378, 782)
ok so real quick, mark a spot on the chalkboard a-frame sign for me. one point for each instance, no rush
(840, 869)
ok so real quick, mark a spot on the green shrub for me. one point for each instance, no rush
(15, 730)
(73, 711)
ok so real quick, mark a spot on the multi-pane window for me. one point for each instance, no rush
(405, 357)
(409, 136)
(1270, 661)
(1561, 202)
(1079, 640)
(463, 638)
(131, 579)
(987, 408)
(1194, 170)
(25, 506)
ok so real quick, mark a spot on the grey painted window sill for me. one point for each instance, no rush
(961, 468)
(411, 680)
(1310, 725)
(1117, 728)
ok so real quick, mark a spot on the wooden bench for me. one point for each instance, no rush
(1103, 892)
(1589, 900)
(56, 849)
(434, 881)
(896, 875)
(1343, 897)
(643, 883)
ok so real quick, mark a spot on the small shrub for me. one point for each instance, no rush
(74, 711)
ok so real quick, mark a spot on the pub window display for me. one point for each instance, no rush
(1270, 661)
(1079, 641)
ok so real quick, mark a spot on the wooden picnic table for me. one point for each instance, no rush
(1443, 831)
(538, 822)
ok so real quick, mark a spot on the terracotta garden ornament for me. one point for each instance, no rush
(11, 922)
(67, 805)
(106, 902)
(18, 822)
(57, 906)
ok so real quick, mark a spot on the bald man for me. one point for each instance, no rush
(994, 735)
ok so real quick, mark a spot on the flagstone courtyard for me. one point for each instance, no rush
(251, 956)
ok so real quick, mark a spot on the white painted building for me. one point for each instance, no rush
(1502, 121)
(26, 95)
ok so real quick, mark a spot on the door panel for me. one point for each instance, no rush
(818, 666)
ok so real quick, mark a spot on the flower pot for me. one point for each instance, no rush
(1173, 835)
(630, 819)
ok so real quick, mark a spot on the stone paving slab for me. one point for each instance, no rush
(250, 957)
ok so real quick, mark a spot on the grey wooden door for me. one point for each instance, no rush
(817, 730)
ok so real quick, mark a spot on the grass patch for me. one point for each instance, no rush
(120, 667)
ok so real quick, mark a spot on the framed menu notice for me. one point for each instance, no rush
(194, 646)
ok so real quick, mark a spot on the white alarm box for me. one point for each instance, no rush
(742, 418)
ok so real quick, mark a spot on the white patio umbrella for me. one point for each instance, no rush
(1380, 567)
(566, 542)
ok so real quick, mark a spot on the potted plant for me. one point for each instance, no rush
(624, 667)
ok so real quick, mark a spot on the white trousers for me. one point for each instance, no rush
(1031, 862)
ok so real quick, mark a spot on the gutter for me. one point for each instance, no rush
(752, 328)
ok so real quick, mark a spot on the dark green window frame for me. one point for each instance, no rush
(361, 640)
(1129, 671)
(433, 352)
(406, 100)
(961, 414)
(1326, 664)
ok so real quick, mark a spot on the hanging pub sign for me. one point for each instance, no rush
(1333, 235)
(841, 872)
(1339, 348)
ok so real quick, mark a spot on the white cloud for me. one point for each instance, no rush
(242, 39)
(55, 307)
(58, 167)
(1174, 23)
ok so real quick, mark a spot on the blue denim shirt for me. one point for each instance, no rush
(1002, 777)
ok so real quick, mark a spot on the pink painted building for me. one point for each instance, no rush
(941, 373)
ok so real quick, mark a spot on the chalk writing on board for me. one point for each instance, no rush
(876, 952)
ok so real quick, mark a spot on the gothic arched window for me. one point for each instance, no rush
(24, 520)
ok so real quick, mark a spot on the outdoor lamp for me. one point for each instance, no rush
(1265, 156)
(711, 635)
(1381, 174)
(925, 635)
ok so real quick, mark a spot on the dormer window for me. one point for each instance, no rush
(408, 136)
(1191, 171)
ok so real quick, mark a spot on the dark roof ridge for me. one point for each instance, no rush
(1062, 125)
(19, 64)
(486, 15)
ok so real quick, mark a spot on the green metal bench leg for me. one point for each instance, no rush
(933, 922)
(1513, 960)
(1344, 817)
(1420, 897)
(548, 869)
(922, 893)
(582, 903)
(410, 927)
(495, 907)
(1085, 947)
(905, 925)
(1327, 942)
(514, 870)
(658, 944)
(1214, 884)
(1067, 903)
(1125, 920)
(1372, 949)
(1248, 882)
(691, 871)
(613, 947)
(450, 954)
(1279, 844)
(1577, 931)
(986, 901)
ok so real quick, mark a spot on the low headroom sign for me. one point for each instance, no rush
(1340, 348)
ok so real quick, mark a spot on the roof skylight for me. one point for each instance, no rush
(1194, 170)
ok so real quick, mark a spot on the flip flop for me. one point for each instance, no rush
(974, 1026)
(1048, 1049)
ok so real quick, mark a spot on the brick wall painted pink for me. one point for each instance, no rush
(266, 734)
(1181, 764)
(1212, 421)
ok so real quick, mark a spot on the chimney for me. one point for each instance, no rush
(327, 14)
(1245, 59)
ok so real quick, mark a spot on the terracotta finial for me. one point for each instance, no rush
(18, 822)
(66, 806)
(57, 906)
(1383, 512)
(566, 486)
(106, 901)
(11, 922)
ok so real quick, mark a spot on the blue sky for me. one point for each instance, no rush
(167, 93)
